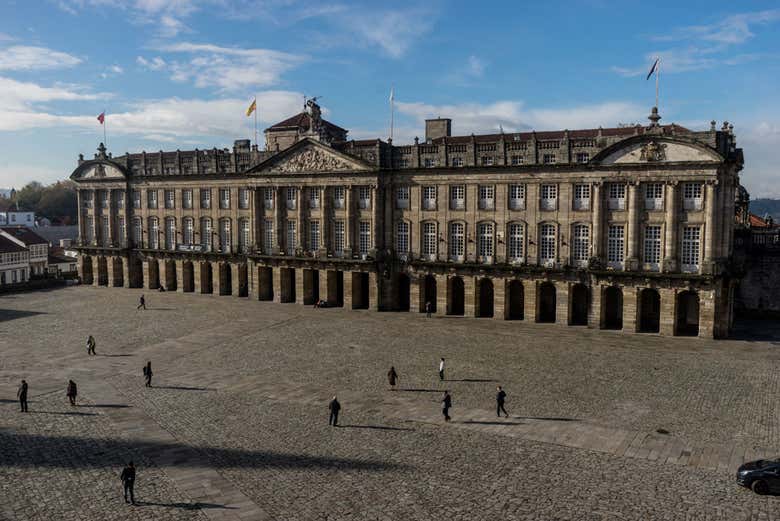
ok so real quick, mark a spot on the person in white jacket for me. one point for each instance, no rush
(441, 370)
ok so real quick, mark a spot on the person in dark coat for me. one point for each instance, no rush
(141, 303)
(148, 374)
(446, 404)
(22, 395)
(91, 345)
(392, 376)
(72, 392)
(334, 406)
(428, 309)
(500, 399)
(128, 480)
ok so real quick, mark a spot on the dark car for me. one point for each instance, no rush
(761, 476)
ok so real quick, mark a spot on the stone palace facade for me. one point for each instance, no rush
(623, 228)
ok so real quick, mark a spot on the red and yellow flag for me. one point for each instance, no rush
(252, 107)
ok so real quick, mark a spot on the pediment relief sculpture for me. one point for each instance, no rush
(653, 151)
(312, 160)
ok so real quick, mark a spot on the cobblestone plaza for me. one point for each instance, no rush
(603, 425)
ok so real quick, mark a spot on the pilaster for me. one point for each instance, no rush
(630, 308)
(530, 290)
(347, 290)
(500, 305)
(373, 291)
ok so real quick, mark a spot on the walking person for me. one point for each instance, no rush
(392, 377)
(22, 395)
(71, 392)
(428, 309)
(128, 481)
(141, 303)
(446, 404)
(441, 370)
(500, 399)
(91, 345)
(334, 406)
(148, 374)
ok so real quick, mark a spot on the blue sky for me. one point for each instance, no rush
(180, 73)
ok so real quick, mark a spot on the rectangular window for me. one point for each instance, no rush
(104, 199)
(243, 198)
(404, 163)
(122, 231)
(151, 199)
(616, 245)
(170, 233)
(549, 197)
(188, 237)
(692, 196)
(429, 162)
(402, 237)
(225, 236)
(364, 197)
(136, 194)
(205, 198)
(547, 244)
(691, 247)
(654, 196)
(652, 247)
(402, 197)
(338, 238)
(548, 159)
(580, 245)
(617, 196)
(119, 198)
(186, 198)
(292, 236)
(339, 194)
(517, 160)
(291, 198)
(365, 237)
(487, 199)
(268, 236)
(582, 157)
(243, 235)
(89, 229)
(105, 231)
(170, 199)
(485, 243)
(314, 235)
(314, 197)
(486, 160)
(458, 197)
(137, 232)
(205, 233)
(517, 197)
(429, 197)
(457, 241)
(429, 242)
(516, 246)
(457, 161)
(154, 233)
(224, 198)
(268, 198)
(582, 197)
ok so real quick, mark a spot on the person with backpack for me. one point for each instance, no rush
(148, 374)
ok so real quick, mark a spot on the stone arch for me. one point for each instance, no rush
(649, 311)
(580, 305)
(206, 278)
(485, 301)
(546, 303)
(117, 272)
(613, 308)
(516, 309)
(687, 313)
(225, 278)
(428, 293)
(135, 272)
(456, 301)
(102, 271)
(169, 267)
(243, 280)
(188, 277)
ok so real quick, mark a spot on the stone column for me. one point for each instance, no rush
(280, 211)
(373, 291)
(500, 307)
(126, 282)
(374, 219)
(348, 226)
(80, 206)
(347, 275)
(595, 316)
(469, 296)
(197, 277)
(630, 308)
(415, 292)
(323, 283)
(111, 210)
(632, 261)
(299, 285)
(96, 216)
(252, 279)
(529, 300)
(668, 311)
(151, 273)
(597, 215)
(179, 276)
(442, 291)
(670, 228)
(276, 282)
(710, 227)
(707, 313)
(301, 231)
(562, 307)
(110, 269)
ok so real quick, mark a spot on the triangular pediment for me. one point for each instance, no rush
(310, 156)
(657, 150)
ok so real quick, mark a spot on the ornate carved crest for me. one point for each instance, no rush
(653, 151)
(311, 160)
(100, 170)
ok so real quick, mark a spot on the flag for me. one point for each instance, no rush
(252, 107)
(653, 68)
(102, 117)
(392, 95)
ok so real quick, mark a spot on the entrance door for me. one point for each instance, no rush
(455, 297)
(579, 305)
(547, 303)
(613, 308)
(688, 313)
(516, 300)
(649, 311)
(485, 298)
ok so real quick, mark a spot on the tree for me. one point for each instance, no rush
(58, 202)
(28, 197)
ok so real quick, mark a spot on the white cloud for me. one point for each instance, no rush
(30, 58)
(734, 29)
(16, 96)
(228, 68)
(760, 142)
(154, 64)
(5, 37)
(393, 31)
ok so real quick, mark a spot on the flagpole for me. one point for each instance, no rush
(657, 75)
(392, 111)
(255, 121)
(105, 141)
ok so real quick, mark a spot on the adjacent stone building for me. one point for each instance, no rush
(621, 228)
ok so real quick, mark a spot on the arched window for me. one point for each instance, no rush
(205, 233)
(429, 242)
(154, 233)
(188, 232)
(457, 241)
(516, 245)
(224, 235)
(485, 242)
(170, 233)
(547, 244)
(580, 248)
(402, 238)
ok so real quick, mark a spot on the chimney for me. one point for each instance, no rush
(438, 128)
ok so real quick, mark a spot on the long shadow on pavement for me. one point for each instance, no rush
(490, 423)
(182, 388)
(184, 506)
(378, 427)
(77, 452)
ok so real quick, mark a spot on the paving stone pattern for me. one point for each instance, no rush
(235, 426)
